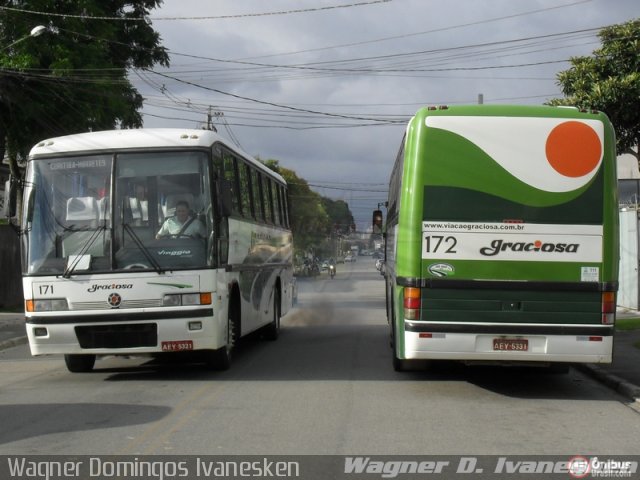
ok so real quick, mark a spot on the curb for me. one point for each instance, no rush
(13, 342)
(618, 384)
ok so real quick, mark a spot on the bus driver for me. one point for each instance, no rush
(182, 223)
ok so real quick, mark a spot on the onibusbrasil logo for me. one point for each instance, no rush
(579, 467)
(594, 467)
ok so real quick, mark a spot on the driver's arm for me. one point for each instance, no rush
(164, 230)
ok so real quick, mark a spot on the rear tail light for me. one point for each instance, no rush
(608, 308)
(412, 303)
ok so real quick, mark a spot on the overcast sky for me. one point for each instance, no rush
(328, 91)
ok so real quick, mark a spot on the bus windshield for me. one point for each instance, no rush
(114, 212)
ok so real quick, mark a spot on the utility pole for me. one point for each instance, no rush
(210, 115)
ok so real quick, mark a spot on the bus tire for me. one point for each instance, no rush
(399, 365)
(220, 359)
(272, 331)
(79, 363)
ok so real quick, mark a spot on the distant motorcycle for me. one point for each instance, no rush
(332, 271)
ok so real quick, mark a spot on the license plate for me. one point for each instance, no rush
(177, 345)
(511, 344)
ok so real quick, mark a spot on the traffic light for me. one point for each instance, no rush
(377, 221)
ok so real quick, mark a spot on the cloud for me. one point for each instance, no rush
(384, 36)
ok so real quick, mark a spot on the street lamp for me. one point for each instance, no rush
(39, 30)
(35, 31)
(5, 90)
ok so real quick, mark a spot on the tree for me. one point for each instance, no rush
(340, 216)
(74, 77)
(609, 81)
(310, 223)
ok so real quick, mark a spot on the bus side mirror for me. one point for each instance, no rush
(12, 188)
(225, 201)
(10, 198)
(377, 221)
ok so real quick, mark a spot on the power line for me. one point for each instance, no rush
(314, 66)
(414, 34)
(273, 104)
(219, 17)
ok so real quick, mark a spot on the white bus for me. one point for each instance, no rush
(101, 275)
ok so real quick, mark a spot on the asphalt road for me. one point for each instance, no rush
(325, 387)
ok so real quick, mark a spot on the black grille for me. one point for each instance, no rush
(118, 336)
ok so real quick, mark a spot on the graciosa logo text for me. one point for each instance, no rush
(112, 286)
(498, 246)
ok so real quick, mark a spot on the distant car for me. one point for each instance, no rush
(349, 258)
(325, 265)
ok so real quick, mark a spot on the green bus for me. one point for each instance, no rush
(502, 237)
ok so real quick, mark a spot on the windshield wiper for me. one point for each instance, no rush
(143, 249)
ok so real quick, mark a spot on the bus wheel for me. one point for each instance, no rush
(402, 365)
(220, 359)
(79, 363)
(272, 331)
(399, 365)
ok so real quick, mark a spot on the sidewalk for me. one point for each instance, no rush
(623, 375)
(12, 331)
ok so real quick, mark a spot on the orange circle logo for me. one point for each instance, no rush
(573, 149)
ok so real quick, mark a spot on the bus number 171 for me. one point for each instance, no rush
(45, 289)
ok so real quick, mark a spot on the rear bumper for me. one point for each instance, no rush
(546, 343)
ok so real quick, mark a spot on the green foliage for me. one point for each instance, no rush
(340, 215)
(73, 78)
(609, 81)
(632, 323)
(313, 217)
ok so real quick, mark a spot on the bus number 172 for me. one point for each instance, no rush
(434, 243)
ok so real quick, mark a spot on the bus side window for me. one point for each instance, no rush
(275, 195)
(267, 199)
(231, 175)
(256, 187)
(245, 190)
(285, 207)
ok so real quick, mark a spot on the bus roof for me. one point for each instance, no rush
(131, 139)
(507, 110)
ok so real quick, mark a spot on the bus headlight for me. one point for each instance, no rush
(171, 300)
(48, 305)
(191, 299)
(175, 300)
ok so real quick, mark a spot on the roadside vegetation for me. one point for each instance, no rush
(626, 324)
